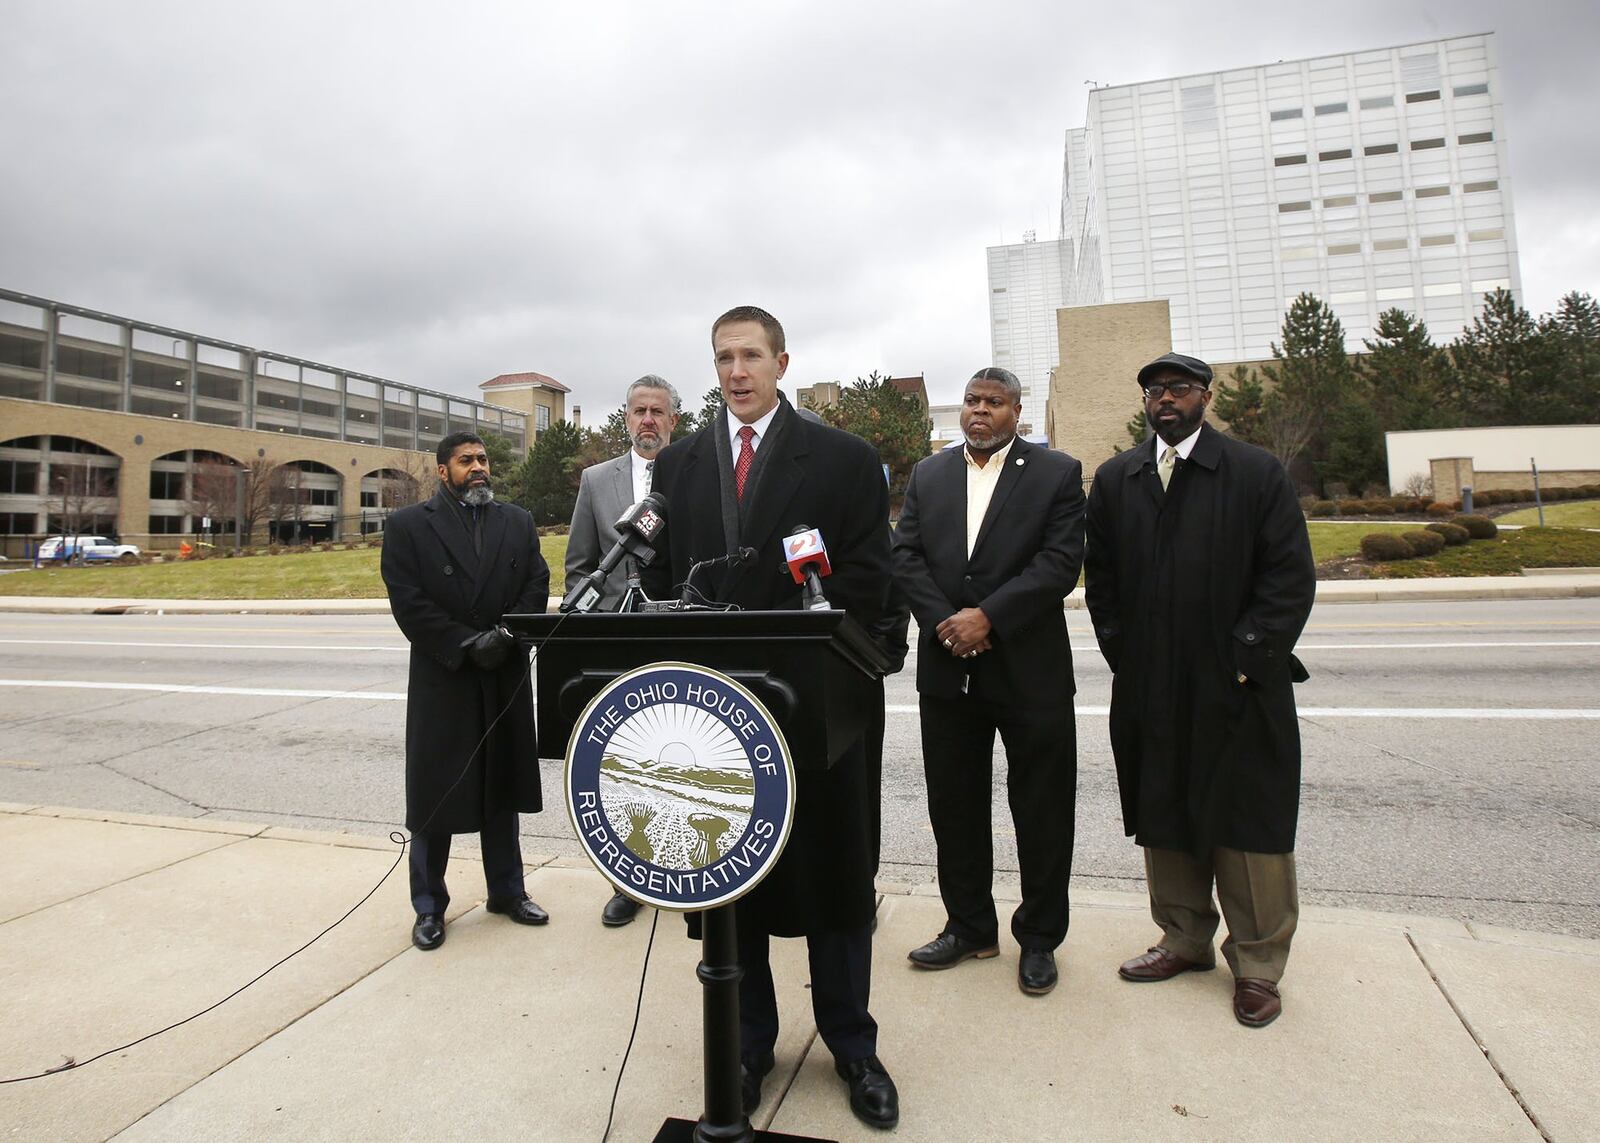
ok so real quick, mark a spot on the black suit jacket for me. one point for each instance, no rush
(442, 592)
(1026, 559)
(832, 481)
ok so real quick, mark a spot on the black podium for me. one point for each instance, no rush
(807, 668)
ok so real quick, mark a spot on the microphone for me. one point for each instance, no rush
(807, 557)
(736, 558)
(637, 530)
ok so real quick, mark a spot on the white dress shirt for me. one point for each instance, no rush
(981, 481)
(760, 426)
(641, 475)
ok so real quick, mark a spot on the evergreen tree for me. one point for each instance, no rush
(1572, 336)
(892, 422)
(1310, 375)
(1505, 375)
(1407, 377)
(611, 438)
(547, 481)
(1238, 403)
(710, 408)
(1138, 429)
(1357, 456)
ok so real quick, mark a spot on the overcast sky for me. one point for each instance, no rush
(439, 194)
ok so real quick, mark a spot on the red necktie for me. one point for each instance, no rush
(747, 457)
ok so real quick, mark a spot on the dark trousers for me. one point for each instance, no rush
(502, 864)
(1042, 785)
(841, 979)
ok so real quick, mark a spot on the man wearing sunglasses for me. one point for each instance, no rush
(1199, 580)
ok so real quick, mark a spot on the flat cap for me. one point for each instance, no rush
(1182, 363)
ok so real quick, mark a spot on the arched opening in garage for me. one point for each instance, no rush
(56, 485)
(303, 503)
(193, 491)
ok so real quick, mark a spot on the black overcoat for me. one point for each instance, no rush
(1188, 589)
(1025, 561)
(828, 479)
(441, 593)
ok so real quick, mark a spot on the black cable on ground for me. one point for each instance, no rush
(638, 1007)
(399, 839)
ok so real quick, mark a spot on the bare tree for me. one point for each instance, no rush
(82, 492)
(215, 491)
(1288, 426)
(410, 478)
(286, 496)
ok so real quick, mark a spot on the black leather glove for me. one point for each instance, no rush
(488, 649)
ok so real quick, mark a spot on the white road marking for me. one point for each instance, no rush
(204, 646)
(1538, 714)
(186, 689)
(1534, 714)
(1078, 648)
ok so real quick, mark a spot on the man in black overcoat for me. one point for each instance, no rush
(453, 567)
(1199, 581)
(989, 543)
(745, 481)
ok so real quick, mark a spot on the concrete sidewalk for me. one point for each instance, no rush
(1534, 584)
(112, 926)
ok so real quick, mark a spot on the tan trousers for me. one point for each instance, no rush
(1260, 899)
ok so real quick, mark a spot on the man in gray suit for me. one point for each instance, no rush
(650, 410)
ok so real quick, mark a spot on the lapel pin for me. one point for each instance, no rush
(1019, 462)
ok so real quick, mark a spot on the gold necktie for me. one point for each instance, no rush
(1169, 456)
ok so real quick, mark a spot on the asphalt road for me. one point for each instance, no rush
(1450, 759)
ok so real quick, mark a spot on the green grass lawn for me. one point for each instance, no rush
(299, 575)
(1506, 554)
(1330, 541)
(1562, 514)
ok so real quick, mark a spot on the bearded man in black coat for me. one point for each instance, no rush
(1199, 581)
(453, 567)
(744, 481)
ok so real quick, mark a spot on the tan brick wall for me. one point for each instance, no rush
(1093, 393)
(138, 440)
(1566, 478)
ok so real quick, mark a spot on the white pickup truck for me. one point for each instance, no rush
(85, 550)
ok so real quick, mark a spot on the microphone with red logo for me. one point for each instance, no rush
(807, 557)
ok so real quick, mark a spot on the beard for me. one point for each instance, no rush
(473, 493)
(1176, 429)
(991, 442)
(648, 444)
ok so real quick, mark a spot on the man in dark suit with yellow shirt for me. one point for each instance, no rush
(990, 541)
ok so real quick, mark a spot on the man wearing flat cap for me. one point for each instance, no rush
(1199, 580)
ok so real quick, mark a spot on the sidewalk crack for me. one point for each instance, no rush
(1488, 1055)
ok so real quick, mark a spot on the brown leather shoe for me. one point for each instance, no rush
(1159, 964)
(1256, 1003)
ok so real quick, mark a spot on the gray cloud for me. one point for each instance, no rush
(440, 196)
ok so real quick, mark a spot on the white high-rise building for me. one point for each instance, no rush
(1376, 179)
(1025, 288)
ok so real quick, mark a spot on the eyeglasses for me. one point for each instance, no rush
(1176, 388)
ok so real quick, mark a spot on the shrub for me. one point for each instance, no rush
(1352, 507)
(1441, 508)
(1323, 508)
(1379, 508)
(1413, 506)
(1424, 543)
(1453, 534)
(1478, 527)
(1379, 547)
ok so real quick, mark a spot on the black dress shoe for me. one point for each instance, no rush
(428, 933)
(1036, 971)
(751, 1073)
(947, 950)
(619, 911)
(873, 1097)
(519, 909)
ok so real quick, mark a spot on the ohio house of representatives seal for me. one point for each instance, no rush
(680, 786)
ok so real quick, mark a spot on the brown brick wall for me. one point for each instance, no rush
(138, 440)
